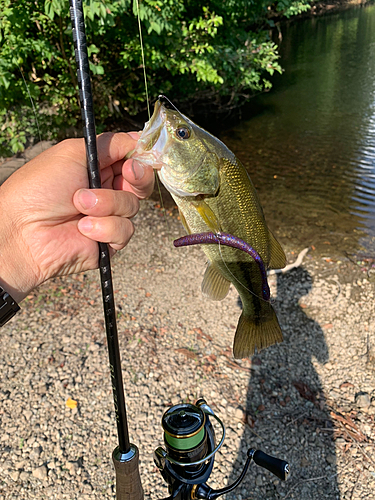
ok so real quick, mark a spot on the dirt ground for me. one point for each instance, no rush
(309, 400)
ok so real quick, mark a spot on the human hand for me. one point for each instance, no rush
(51, 222)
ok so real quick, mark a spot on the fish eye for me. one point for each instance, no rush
(182, 133)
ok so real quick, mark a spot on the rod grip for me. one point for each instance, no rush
(128, 479)
(275, 465)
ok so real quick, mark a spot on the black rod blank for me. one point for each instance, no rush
(87, 109)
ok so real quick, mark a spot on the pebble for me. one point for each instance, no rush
(40, 472)
(15, 475)
(259, 480)
(362, 400)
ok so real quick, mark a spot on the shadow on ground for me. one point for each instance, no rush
(286, 411)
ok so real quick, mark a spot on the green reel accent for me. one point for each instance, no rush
(185, 443)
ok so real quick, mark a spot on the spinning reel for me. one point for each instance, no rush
(187, 461)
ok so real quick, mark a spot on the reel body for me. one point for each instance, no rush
(188, 460)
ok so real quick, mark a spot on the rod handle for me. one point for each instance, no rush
(128, 479)
(275, 465)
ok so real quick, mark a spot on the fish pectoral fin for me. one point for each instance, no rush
(214, 285)
(251, 334)
(184, 223)
(207, 215)
(278, 258)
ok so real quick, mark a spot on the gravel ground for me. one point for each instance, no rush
(309, 400)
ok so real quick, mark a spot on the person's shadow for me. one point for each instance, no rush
(285, 410)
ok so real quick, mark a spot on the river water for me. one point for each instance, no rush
(309, 144)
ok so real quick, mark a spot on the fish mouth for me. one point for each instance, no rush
(153, 140)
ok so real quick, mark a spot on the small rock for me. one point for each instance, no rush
(28, 414)
(238, 414)
(14, 163)
(362, 400)
(40, 472)
(38, 148)
(331, 459)
(36, 452)
(6, 172)
(72, 467)
(15, 475)
(20, 465)
(259, 480)
(340, 441)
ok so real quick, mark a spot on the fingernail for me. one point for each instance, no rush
(134, 135)
(87, 198)
(138, 170)
(85, 225)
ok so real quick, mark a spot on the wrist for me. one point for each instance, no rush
(16, 277)
(14, 290)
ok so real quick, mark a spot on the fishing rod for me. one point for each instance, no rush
(125, 456)
(189, 435)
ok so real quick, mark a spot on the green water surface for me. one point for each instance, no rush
(309, 144)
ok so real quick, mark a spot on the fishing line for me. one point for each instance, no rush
(234, 277)
(149, 113)
(156, 176)
(32, 102)
(161, 96)
(143, 59)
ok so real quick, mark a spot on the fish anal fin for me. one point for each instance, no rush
(207, 215)
(278, 258)
(251, 335)
(214, 285)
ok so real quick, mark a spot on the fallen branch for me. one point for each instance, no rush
(287, 268)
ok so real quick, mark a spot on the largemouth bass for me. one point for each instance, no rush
(214, 193)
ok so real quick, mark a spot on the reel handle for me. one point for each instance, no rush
(278, 467)
(128, 480)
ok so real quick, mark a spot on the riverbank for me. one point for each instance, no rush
(327, 6)
(320, 8)
(309, 400)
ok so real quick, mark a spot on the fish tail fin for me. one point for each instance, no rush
(252, 334)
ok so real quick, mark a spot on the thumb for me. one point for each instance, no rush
(138, 178)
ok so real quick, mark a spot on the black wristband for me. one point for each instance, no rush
(8, 307)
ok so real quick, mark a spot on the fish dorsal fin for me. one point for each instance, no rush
(278, 259)
(214, 285)
(207, 215)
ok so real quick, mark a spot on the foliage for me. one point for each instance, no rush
(192, 49)
(293, 8)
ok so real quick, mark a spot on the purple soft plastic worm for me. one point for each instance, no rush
(230, 241)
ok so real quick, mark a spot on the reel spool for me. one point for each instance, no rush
(188, 459)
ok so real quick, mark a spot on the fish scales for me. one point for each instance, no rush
(214, 193)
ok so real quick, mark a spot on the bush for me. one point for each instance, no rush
(192, 49)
